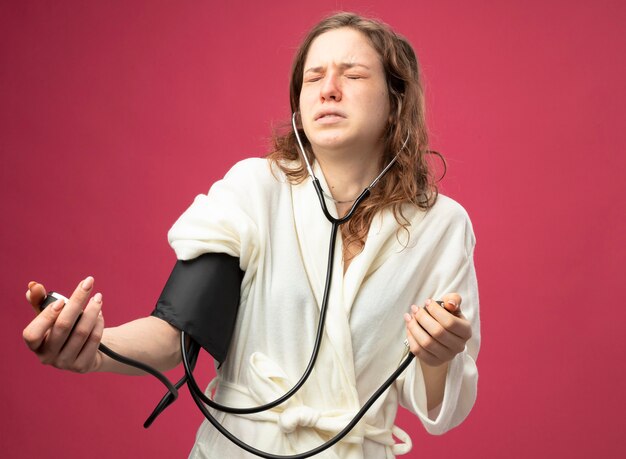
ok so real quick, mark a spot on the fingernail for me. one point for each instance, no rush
(30, 284)
(87, 283)
(428, 302)
(414, 309)
(407, 317)
(58, 305)
(98, 297)
(452, 303)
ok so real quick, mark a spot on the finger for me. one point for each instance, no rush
(69, 315)
(36, 294)
(35, 308)
(452, 302)
(423, 354)
(430, 323)
(81, 332)
(86, 360)
(36, 331)
(414, 347)
(453, 323)
(433, 351)
(410, 339)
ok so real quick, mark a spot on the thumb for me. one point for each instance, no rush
(36, 294)
(452, 303)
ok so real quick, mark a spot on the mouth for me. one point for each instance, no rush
(329, 115)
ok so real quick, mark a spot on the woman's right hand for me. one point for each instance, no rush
(58, 337)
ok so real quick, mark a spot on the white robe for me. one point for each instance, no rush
(281, 237)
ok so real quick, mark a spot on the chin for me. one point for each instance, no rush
(329, 145)
(330, 139)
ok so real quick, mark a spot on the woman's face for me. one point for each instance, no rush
(344, 102)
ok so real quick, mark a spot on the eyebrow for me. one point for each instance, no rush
(343, 66)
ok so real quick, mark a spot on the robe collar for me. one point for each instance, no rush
(313, 231)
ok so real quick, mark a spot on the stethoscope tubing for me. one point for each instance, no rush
(189, 356)
(366, 406)
(335, 222)
(202, 400)
(172, 389)
(193, 386)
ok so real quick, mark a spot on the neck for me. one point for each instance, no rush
(348, 175)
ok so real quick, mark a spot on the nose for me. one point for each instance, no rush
(331, 88)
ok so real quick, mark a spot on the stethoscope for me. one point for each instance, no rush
(188, 356)
(190, 349)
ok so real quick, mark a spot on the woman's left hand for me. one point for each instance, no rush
(436, 334)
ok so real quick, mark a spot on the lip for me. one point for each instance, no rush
(329, 115)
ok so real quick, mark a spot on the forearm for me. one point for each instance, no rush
(435, 383)
(149, 340)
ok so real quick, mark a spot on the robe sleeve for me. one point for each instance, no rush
(223, 220)
(456, 275)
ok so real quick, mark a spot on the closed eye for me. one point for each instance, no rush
(312, 79)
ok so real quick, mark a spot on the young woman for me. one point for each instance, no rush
(358, 104)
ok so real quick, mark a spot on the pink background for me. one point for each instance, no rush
(114, 115)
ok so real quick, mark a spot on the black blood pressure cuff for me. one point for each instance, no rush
(201, 298)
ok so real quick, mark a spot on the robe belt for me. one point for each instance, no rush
(294, 414)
